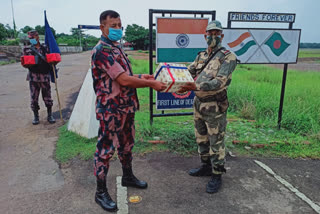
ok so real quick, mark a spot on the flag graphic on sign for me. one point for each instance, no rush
(277, 44)
(180, 39)
(243, 43)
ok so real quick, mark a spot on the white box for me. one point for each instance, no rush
(174, 75)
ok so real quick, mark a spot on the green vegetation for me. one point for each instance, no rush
(309, 53)
(254, 95)
(7, 62)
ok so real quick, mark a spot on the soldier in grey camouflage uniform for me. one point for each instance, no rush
(212, 70)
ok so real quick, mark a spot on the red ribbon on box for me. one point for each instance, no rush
(173, 80)
(28, 60)
(53, 58)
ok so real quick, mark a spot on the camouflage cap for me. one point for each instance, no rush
(214, 25)
(32, 33)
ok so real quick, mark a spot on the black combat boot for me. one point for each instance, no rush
(50, 117)
(214, 184)
(204, 170)
(128, 179)
(35, 120)
(103, 198)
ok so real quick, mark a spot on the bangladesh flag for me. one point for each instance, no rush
(277, 44)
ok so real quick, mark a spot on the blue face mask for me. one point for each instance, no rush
(33, 41)
(115, 34)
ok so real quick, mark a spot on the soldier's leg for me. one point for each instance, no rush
(216, 132)
(202, 140)
(107, 141)
(126, 143)
(34, 94)
(46, 96)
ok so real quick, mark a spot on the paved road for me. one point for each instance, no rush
(31, 181)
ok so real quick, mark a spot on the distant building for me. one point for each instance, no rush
(127, 46)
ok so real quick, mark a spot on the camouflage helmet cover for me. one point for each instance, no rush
(214, 25)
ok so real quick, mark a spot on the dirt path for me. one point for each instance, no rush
(31, 181)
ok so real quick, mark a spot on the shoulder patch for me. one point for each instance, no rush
(106, 48)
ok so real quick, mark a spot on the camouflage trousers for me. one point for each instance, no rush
(115, 131)
(35, 88)
(210, 126)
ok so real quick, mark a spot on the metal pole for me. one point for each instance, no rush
(150, 64)
(56, 84)
(284, 78)
(14, 23)
(80, 39)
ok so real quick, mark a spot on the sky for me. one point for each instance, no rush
(66, 14)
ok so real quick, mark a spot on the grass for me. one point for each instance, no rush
(7, 62)
(309, 53)
(254, 95)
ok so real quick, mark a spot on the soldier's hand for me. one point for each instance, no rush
(147, 77)
(159, 86)
(189, 86)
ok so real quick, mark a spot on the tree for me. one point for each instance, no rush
(137, 35)
(3, 32)
(41, 30)
(26, 29)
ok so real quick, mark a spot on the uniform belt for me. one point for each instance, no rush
(222, 96)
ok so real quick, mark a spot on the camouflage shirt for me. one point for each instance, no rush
(107, 63)
(39, 72)
(216, 76)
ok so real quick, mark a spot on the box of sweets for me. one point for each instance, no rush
(174, 75)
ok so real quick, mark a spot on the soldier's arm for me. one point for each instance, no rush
(222, 78)
(192, 67)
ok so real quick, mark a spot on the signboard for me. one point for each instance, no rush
(171, 101)
(89, 27)
(261, 17)
(180, 39)
(267, 46)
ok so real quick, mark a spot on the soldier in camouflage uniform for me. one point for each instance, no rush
(212, 70)
(116, 104)
(39, 77)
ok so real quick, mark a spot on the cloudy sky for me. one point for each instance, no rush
(65, 14)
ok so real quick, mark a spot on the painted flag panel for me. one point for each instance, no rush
(263, 45)
(180, 39)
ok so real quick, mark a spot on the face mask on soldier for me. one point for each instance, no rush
(33, 41)
(213, 41)
(115, 34)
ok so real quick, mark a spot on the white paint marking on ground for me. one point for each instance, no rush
(122, 198)
(290, 187)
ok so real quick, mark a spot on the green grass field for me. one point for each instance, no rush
(309, 53)
(254, 94)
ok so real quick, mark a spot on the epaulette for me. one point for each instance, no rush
(226, 52)
(200, 52)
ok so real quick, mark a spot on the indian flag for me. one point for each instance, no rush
(180, 39)
(242, 44)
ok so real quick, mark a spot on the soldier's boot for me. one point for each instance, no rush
(128, 179)
(204, 170)
(214, 184)
(103, 198)
(50, 117)
(35, 120)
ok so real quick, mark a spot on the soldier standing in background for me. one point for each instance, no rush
(39, 77)
(212, 70)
